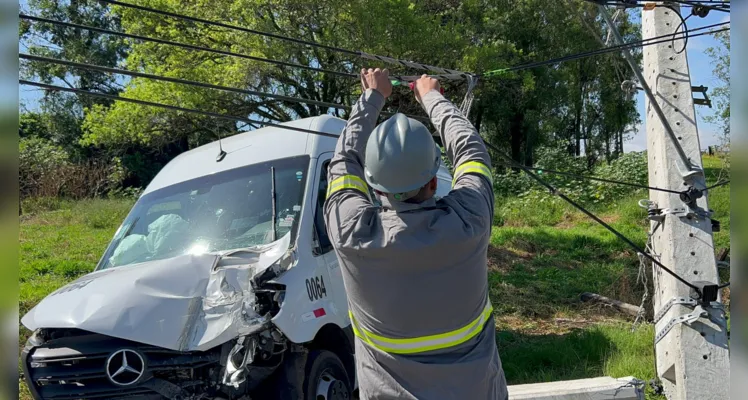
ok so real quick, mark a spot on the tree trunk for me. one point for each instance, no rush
(607, 146)
(516, 136)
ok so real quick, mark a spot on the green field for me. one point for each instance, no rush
(542, 259)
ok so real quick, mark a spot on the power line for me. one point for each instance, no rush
(177, 80)
(263, 123)
(326, 71)
(591, 215)
(356, 53)
(190, 83)
(184, 45)
(711, 5)
(594, 178)
(718, 184)
(642, 43)
(170, 107)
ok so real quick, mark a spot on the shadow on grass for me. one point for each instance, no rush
(543, 358)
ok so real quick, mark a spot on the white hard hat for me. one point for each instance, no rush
(401, 157)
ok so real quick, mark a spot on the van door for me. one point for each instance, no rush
(322, 247)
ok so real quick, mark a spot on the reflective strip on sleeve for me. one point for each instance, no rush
(347, 182)
(473, 166)
(424, 343)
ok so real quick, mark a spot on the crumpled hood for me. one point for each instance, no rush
(189, 302)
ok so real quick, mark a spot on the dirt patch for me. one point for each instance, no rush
(558, 324)
(500, 258)
(569, 221)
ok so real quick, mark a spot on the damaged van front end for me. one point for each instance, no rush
(185, 327)
(182, 301)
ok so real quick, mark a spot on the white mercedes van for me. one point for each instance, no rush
(221, 283)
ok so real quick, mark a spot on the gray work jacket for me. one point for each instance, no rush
(416, 274)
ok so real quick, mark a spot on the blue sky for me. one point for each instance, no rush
(701, 74)
(699, 63)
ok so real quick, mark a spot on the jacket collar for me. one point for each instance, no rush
(401, 206)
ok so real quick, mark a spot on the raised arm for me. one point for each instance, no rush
(348, 193)
(472, 182)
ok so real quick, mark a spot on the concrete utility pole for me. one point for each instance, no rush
(691, 336)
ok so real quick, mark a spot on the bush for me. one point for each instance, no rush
(630, 167)
(45, 170)
(38, 163)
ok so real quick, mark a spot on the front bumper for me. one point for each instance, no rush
(75, 367)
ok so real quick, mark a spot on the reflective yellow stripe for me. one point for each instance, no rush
(348, 182)
(473, 166)
(423, 343)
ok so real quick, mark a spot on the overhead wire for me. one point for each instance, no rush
(718, 184)
(597, 219)
(118, 71)
(642, 43)
(594, 178)
(170, 107)
(184, 45)
(527, 170)
(349, 74)
(712, 5)
(446, 73)
(294, 100)
(270, 124)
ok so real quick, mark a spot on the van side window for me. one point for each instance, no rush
(323, 241)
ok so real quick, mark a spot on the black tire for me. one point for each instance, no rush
(326, 378)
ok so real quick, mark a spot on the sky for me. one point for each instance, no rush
(699, 64)
(701, 74)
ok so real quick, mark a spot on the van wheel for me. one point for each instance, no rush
(326, 377)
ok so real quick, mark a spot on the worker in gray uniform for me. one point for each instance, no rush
(415, 268)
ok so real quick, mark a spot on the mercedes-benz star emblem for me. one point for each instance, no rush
(125, 367)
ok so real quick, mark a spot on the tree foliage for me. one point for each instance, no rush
(577, 107)
(720, 56)
(62, 113)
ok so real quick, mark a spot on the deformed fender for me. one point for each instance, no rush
(184, 303)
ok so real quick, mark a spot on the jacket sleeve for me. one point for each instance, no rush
(472, 185)
(348, 194)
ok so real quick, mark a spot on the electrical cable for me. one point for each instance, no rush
(263, 123)
(594, 178)
(712, 5)
(685, 30)
(593, 216)
(170, 107)
(190, 83)
(718, 184)
(183, 45)
(346, 74)
(177, 80)
(356, 53)
(642, 43)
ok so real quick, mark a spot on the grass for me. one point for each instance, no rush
(62, 240)
(541, 259)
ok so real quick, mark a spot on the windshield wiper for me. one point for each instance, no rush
(273, 212)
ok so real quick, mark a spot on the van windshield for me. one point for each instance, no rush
(222, 211)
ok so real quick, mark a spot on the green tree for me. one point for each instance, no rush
(575, 105)
(62, 113)
(720, 56)
(395, 28)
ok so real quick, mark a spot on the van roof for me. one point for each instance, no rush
(251, 147)
(254, 147)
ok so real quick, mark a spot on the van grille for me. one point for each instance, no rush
(74, 367)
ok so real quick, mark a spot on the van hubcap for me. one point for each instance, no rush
(329, 388)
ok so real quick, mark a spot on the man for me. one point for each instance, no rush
(415, 269)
